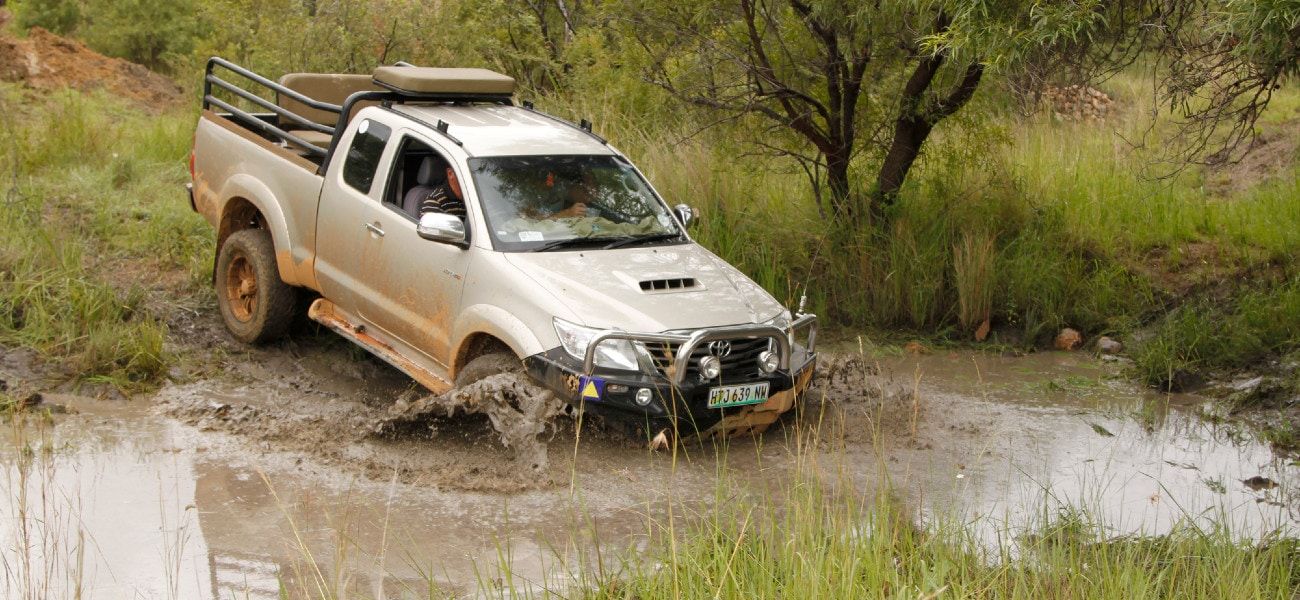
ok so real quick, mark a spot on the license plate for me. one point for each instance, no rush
(737, 395)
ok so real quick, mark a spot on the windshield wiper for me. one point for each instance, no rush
(644, 239)
(571, 242)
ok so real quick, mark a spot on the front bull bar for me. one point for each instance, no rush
(689, 342)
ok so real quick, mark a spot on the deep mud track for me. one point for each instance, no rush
(259, 457)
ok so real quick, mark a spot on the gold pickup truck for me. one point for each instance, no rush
(455, 234)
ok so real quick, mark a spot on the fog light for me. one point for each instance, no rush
(644, 396)
(710, 367)
(768, 361)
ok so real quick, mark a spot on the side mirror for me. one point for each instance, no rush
(441, 227)
(685, 214)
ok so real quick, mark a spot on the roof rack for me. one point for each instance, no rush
(490, 89)
(583, 126)
(210, 80)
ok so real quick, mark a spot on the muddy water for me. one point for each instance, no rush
(272, 476)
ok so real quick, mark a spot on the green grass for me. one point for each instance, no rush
(95, 215)
(1208, 335)
(821, 545)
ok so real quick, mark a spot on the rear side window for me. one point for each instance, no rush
(363, 155)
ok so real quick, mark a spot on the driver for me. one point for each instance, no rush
(445, 198)
(571, 200)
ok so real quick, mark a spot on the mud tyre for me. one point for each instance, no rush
(485, 366)
(256, 305)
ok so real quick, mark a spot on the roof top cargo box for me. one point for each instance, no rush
(478, 84)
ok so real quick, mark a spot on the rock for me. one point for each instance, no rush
(31, 400)
(1259, 483)
(1068, 339)
(1261, 391)
(1106, 345)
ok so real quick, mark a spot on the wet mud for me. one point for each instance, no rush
(250, 475)
(352, 412)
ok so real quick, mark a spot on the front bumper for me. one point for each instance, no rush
(680, 397)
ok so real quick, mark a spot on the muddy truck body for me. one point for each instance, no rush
(557, 254)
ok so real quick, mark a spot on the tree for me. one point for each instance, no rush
(841, 79)
(835, 79)
(148, 32)
(1217, 61)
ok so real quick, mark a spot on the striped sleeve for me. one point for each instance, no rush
(439, 200)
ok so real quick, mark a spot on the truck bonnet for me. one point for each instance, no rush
(649, 289)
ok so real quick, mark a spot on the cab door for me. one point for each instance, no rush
(415, 284)
(344, 223)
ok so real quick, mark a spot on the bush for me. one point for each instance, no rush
(149, 32)
(59, 16)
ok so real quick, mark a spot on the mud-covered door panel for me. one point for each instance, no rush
(416, 282)
(345, 224)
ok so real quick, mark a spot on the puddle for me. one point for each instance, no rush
(130, 502)
(1005, 437)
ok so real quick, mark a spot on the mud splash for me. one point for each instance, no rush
(349, 411)
(521, 413)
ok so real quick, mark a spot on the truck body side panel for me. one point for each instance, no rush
(233, 164)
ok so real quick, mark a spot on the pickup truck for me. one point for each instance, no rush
(457, 235)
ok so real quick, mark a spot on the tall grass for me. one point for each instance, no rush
(94, 216)
(1257, 325)
(819, 545)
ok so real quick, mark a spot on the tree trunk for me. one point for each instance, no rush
(910, 133)
(837, 179)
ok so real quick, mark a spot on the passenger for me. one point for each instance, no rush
(446, 198)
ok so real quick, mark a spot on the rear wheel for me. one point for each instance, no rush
(255, 304)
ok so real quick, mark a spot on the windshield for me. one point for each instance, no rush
(545, 202)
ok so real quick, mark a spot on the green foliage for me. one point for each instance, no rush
(80, 212)
(1207, 335)
(824, 546)
(59, 16)
(150, 32)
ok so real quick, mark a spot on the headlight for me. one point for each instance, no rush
(615, 354)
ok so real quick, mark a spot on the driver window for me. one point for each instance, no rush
(420, 182)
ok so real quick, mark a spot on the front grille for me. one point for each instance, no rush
(743, 359)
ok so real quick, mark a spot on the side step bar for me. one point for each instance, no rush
(326, 313)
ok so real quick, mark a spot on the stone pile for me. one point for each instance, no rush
(1077, 103)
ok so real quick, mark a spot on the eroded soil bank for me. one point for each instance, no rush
(289, 469)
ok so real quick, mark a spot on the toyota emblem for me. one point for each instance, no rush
(720, 348)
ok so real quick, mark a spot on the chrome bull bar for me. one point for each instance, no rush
(689, 342)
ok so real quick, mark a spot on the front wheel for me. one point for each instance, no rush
(486, 366)
(255, 304)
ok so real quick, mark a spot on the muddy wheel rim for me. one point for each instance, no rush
(241, 288)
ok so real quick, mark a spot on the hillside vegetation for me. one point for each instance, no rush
(1017, 214)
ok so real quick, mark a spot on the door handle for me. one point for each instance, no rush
(374, 228)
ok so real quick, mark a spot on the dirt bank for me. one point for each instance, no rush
(46, 61)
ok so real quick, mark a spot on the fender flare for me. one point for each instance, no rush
(496, 322)
(243, 185)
